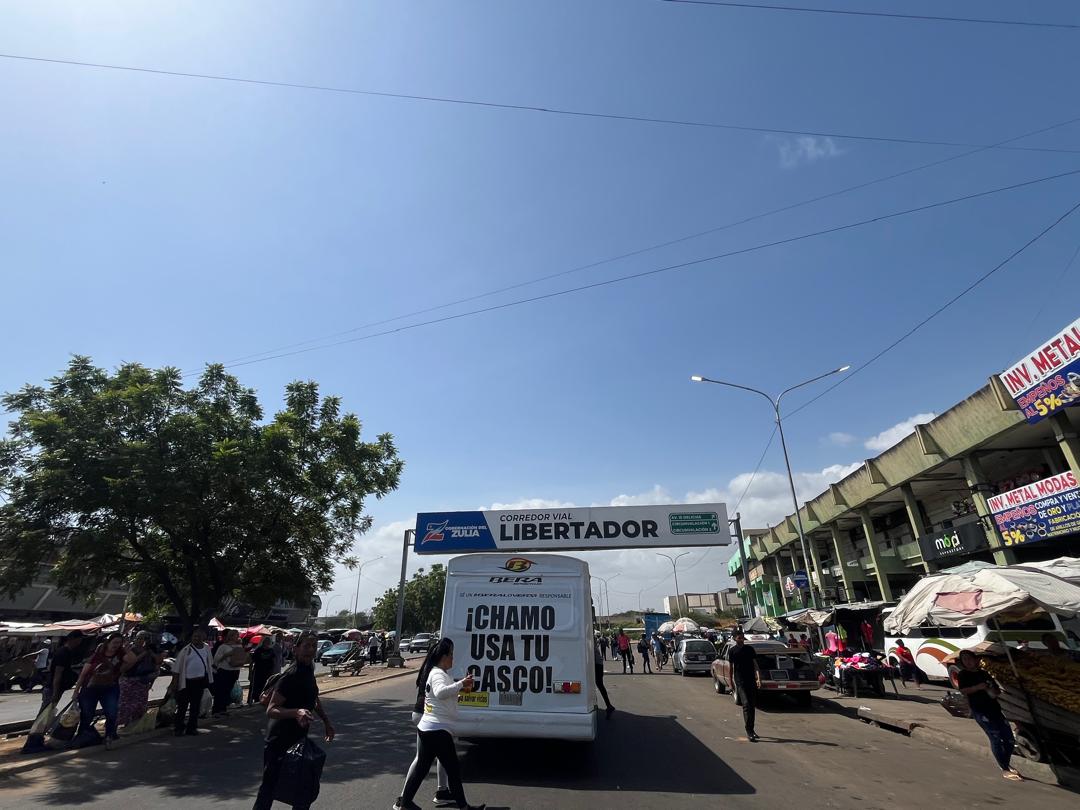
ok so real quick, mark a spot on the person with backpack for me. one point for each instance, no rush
(194, 675)
(435, 731)
(292, 703)
(643, 648)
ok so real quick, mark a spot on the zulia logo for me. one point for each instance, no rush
(518, 565)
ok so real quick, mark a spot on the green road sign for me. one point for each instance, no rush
(694, 523)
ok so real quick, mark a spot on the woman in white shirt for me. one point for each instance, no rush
(229, 657)
(435, 731)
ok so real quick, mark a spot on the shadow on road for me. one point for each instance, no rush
(641, 753)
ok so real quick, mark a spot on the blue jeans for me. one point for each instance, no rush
(108, 697)
(1001, 737)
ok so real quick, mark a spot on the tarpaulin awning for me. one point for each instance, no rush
(1010, 592)
(686, 626)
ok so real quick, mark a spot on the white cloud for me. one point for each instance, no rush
(805, 149)
(528, 503)
(655, 495)
(840, 439)
(890, 436)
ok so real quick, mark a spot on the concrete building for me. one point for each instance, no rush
(919, 506)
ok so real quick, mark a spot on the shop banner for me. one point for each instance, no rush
(959, 541)
(572, 528)
(1048, 379)
(1038, 511)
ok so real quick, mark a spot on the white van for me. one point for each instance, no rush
(931, 645)
(522, 625)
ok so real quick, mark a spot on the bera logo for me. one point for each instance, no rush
(518, 565)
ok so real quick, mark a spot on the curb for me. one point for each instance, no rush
(44, 760)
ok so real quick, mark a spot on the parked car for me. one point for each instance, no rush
(337, 652)
(783, 669)
(693, 655)
(322, 647)
(403, 645)
(422, 642)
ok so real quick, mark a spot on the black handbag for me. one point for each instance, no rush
(300, 773)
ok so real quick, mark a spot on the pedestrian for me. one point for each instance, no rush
(907, 664)
(194, 676)
(373, 649)
(614, 646)
(804, 642)
(866, 630)
(279, 652)
(41, 662)
(443, 796)
(229, 658)
(982, 694)
(744, 673)
(643, 648)
(435, 731)
(659, 650)
(136, 677)
(262, 667)
(99, 682)
(623, 641)
(791, 642)
(598, 662)
(63, 669)
(603, 645)
(290, 709)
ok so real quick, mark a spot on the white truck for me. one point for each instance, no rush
(522, 625)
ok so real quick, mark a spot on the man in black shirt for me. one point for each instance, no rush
(292, 707)
(64, 668)
(982, 694)
(744, 670)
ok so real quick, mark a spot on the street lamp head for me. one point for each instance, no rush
(841, 369)
(697, 378)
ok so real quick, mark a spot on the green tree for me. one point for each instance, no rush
(423, 603)
(185, 494)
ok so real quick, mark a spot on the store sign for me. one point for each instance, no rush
(572, 528)
(1048, 379)
(1038, 511)
(959, 541)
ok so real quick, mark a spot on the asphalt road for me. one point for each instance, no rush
(671, 741)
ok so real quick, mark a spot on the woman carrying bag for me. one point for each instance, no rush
(99, 682)
(436, 729)
(229, 658)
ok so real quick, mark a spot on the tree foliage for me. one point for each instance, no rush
(185, 494)
(423, 603)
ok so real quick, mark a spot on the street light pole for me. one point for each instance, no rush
(356, 599)
(783, 444)
(605, 594)
(675, 570)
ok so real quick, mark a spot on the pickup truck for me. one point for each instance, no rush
(783, 669)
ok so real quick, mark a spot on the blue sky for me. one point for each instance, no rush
(177, 221)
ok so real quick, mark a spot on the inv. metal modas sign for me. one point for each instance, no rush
(1048, 379)
(959, 541)
(573, 528)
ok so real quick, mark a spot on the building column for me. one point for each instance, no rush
(1067, 440)
(875, 557)
(911, 506)
(845, 576)
(780, 576)
(978, 483)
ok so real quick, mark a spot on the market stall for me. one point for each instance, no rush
(1040, 689)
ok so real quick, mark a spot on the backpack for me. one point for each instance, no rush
(272, 685)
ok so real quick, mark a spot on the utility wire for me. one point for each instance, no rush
(923, 17)
(1057, 283)
(658, 246)
(524, 107)
(664, 269)
(940, 309)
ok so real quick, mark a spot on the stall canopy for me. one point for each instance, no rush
(686, 626)
(756, 626)
(1005, 592)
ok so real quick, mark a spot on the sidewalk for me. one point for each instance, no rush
(919, 714)
(13, 761)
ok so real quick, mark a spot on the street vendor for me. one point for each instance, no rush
(982, 693)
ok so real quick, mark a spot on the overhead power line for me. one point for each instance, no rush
(657, 246)
(886, 14)
(664, 269)
(940, 309)
(523, 107)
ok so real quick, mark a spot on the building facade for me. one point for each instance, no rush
(711, 603)
(922, 505)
